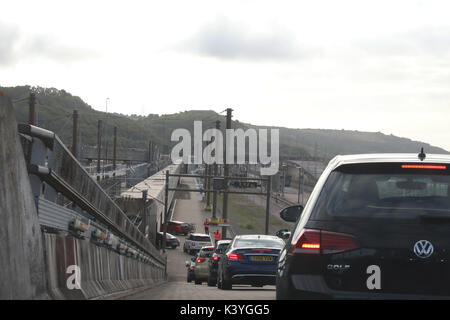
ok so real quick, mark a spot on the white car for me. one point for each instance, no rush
(195, 241)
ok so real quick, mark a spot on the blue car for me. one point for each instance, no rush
(251, 260)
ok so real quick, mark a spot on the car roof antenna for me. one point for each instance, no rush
(421, 155)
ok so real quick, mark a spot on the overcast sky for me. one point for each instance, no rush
(357, 65)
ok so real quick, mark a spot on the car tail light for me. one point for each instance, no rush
(307, 242)
(424, 166)
(323, 242)
(200, 260)
(216, 257)
(333, 242)
(235, 256)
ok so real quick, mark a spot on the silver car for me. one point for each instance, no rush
(195, 241)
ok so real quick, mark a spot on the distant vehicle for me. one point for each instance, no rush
(177, 227)
(219, 248)
(200, 264)
(195, 241)
(375, 226)
(190, 269)
(171, 240)
(190, 227)
(249, 259)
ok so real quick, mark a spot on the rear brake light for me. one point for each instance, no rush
(307, 242)
(200, 260)
(323, 242)
(216, 258)
(311, 245)
(234, 256)
(423, 166)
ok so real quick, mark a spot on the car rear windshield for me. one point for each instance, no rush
(201, 238)
(259, 243)
(206, 254)
(222, 247)
(387, 190)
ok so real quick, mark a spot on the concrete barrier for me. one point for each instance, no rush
(102, 271)
(22, 269)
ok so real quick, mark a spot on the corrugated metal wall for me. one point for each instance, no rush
(102, 271)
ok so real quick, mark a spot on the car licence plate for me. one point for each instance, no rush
(262, 258)
(203, 243)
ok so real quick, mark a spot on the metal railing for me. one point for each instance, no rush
(55, 165)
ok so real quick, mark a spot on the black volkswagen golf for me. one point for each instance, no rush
(375, 226)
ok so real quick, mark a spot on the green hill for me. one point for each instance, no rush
(54, 110)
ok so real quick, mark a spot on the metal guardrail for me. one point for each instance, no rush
(62, 171)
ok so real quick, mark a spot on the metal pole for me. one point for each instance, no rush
(214, 208)
(75, 134)
(105, 163)
(166, 210)
(208, 186)
(99, 147)
(144, 213)
(150, 149)
(114, 151)
(149, 161)
(31, 111)
(302, 184)
(225, 174)
(268, 196)
(299, 185)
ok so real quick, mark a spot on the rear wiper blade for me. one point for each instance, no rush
(435, 218)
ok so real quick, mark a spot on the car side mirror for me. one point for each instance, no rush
(286, 235)
(280, 233)
(292, 213)
(283, 234)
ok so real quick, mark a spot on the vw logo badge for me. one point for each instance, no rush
(423, 248)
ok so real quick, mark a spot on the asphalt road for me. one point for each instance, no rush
(177, 288)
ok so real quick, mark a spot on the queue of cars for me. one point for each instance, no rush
(245, 259)
(375, 226)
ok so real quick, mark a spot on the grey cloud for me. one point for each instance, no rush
(8, 41)
(16, 46)
(226, 40)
